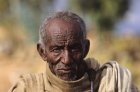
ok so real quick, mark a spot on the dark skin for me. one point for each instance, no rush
(65, 49)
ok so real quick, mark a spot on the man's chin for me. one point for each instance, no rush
(66, 77)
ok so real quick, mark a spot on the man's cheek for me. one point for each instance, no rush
(77, 56)
(54, 60)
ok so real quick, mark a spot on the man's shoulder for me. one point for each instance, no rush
(113, 68)
(114, 65)
(115, 76)
(29, 83)
(32, 78)
(31, 75)
(111, 65)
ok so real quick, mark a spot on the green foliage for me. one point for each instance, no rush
(105, 12)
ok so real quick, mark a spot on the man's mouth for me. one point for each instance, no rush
(64, 70)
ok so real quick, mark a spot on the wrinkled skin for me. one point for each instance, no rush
(65, 49)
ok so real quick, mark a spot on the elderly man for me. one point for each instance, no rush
(63, 46)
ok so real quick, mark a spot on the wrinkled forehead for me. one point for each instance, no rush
(58, 28)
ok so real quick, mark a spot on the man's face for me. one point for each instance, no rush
(64, 48)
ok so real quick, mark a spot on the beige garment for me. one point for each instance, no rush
(110, 78)
(115, 78)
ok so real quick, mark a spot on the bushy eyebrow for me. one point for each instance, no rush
(56, 46)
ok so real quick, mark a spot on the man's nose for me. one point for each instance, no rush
(66, 57)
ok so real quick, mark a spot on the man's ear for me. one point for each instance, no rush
(41, 51)
(87, 45)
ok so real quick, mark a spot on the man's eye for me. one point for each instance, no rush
(75, 49)
(56, 50)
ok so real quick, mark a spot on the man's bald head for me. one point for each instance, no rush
(64, 16)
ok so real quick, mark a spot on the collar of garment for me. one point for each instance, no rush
(82, 84)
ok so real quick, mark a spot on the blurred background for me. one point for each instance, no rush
(112, 25)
